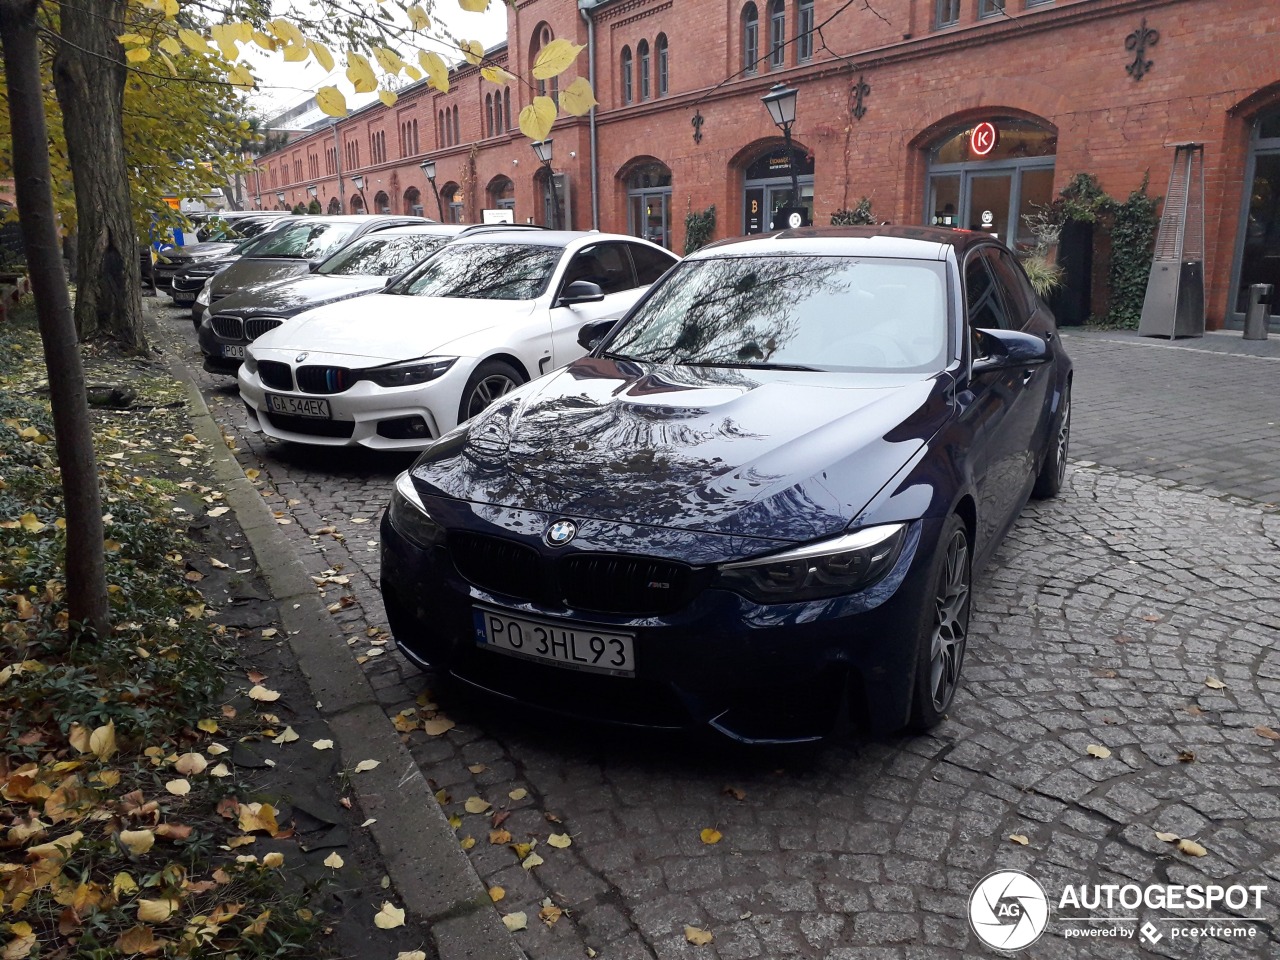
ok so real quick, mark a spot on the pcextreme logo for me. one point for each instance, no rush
(1009, 911)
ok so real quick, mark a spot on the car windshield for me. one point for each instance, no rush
(380, 255)
(484, 271)
(303, 241)
(794, 312)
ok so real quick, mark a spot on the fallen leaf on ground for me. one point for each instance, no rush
(411, 955)
(559, 840)
(1167, 837)
(499, 836)
(467, 843)
(288, 736)
(208, 725)
(1191, 848)
(476, 805)
(179, 788)
(190, 763)
(697, 936)
(323, 745)
(389, 917)
(1266, 732)
(515, 921)
(477, 768)
(496, 894)
(173, 831)
(531, 861)
(519, 793)
(1213, 683)
(1153, 618)
(1186, 756)
(333, 861)
(102, 742)
(261, 693)
(273, 859)
(1019, 839)
(364, 766)
(156, 911)
(258, 816)
(549, 914)
(216, 749)
(136, 842)
(220, 770)
(1094, 750)
(710, 835)
(139, 939)
(438, 726)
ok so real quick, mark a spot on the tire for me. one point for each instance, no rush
(1054, 469)
(488, 381)
(943, 631)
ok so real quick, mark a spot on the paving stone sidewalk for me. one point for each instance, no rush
(1098, 623)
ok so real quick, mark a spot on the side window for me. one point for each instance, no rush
(1018, 295)
(986, 310)
(650, 263)
(605, 264)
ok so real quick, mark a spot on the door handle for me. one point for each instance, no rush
(1027, 374)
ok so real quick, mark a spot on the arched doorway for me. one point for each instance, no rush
(381, 202)
(557, 219)
(335, 206)
(451, 194)
(991, 174)
(501, 194)
(767, 186)
(649, 202)
(1257, 257)
(413, 202)
(355, 204)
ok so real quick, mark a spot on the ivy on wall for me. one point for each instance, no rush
(699, 228)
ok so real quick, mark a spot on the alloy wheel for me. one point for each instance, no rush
(951, 623)
(1063, 440)
(488, 390)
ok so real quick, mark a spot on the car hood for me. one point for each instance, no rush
(286, 298)
(785, 455)
(198, 251)
(387, 327)
(248, 272)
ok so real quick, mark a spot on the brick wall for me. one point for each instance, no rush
(1059, 63)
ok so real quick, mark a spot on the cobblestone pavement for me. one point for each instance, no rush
(1132, 614)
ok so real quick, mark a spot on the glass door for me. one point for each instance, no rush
(1260, 248)
(649, 217)
(989, 201)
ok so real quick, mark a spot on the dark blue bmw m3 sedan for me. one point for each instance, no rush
(757, 504)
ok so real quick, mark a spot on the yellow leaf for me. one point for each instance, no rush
(437, 72)
(220, 770)
(365, 766)
(559, 840)
(170, 45)
(697, 936)
(179, 788)
(156, 911)
(325, 59)
(388, 59)
(30, 522)
(388, 98)
(208, 725)
(287, 31)
(241, 76)
(193, 40)
(323, 745)
(499, 836)
(1167, 837)
(438, 726)
(224, 35)
(578, 98)
(495, 75)
(467, 843)
(476, 805)
(78, 737)
(123, 885)
(123, 38)
(531, 861)
(1020, 839)
(171, 8)
(389, 917)
(258, 816)
(136, 842)
(519, 793)
(1094, 750)
(139, 939)
(190, 763)
(331, 102)
(288, 736)
(710, 835)
(411, 955)
(216, 749)
(265, 40)
(418, 18)
(295, 53)
(103, 741)
(474, 6)
(473, 50)
(550, 913)
(477, 768)
(1192, 849)
(261, 693)
(536, 119)
(496, 893)
(273, 860)
(58, 849)
(1213, 683)
(515, 921)
(333, 861)
(412, 72)
(555, 58)
(23, 942)
(360, 73)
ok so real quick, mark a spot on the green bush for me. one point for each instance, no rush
(699, 228)
(1133, 234)
(859, 215)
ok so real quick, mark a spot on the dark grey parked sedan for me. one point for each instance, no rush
(292, 251)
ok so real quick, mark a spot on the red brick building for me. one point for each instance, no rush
(892, 94)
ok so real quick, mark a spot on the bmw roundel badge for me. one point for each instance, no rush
(300, 357)
(560, 533)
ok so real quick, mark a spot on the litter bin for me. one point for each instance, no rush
(1255, 317)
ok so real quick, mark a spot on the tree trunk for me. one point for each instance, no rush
(89, 75)
(73, 434)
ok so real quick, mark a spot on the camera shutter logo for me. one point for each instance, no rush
(1008, 910)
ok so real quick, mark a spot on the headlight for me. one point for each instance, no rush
(831, 568)
(205, 293)
(409, 373)
(250, 362)
(410, 517)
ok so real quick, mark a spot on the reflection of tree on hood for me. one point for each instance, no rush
(730, 310)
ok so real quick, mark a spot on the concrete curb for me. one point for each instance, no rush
(432, 874)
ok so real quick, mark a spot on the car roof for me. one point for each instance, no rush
(421, 229)
(886, 240)
(546, 238)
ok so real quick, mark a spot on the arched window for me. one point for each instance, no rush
(497, 112)
(452, 197)
(660, 51)
(642, 54)
(541, 37)
(457, 130)
(488, 114)
(502, 193)
(506, 111)
(442, 136)
(750, 37)
(626, 75)
(416, 146)
(777, 33)
(804, 31)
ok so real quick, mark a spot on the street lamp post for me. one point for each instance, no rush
(359, 182)
(781, 101)
(542, 149)
(429, 171)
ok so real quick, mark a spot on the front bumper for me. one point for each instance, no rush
(755, 673)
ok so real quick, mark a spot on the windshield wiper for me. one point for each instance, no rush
(740, 365)
(610, 355)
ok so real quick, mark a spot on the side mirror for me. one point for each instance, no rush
(589, 334)
(580, 291)
(1004, 349)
